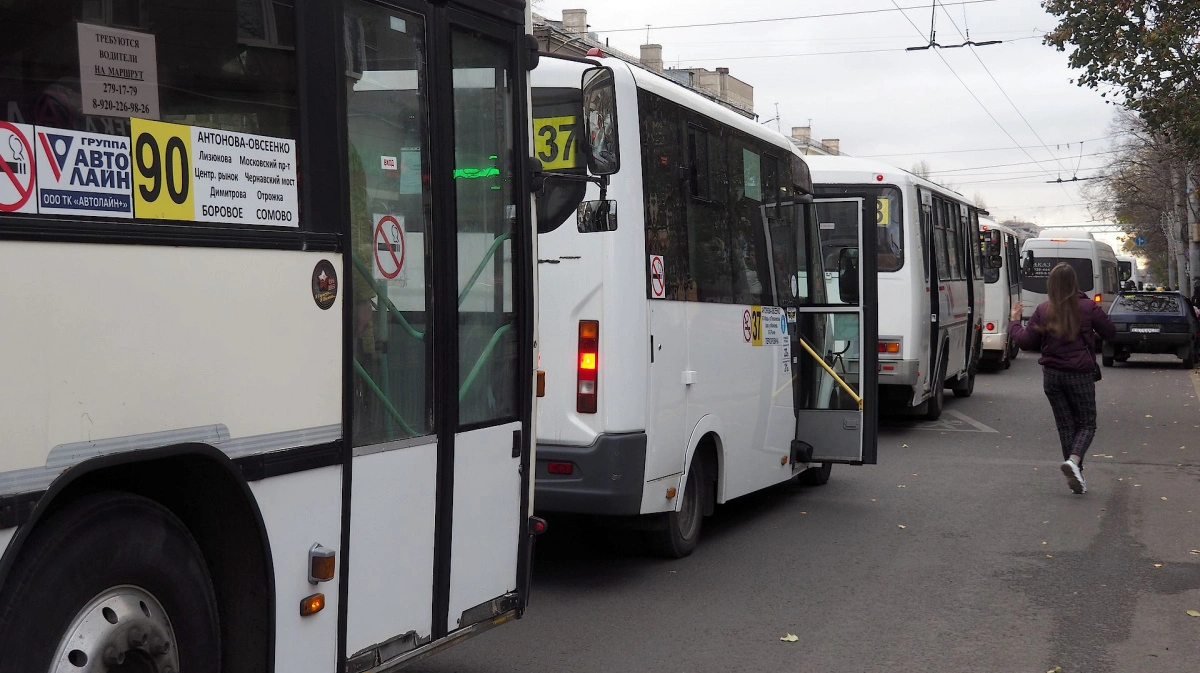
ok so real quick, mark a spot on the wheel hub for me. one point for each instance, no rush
(122, 630)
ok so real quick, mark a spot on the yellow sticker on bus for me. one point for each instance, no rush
(556, 142)
(162, 174)
(883, 212)
(756, 325)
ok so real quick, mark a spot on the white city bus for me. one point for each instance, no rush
(1002, 290)
(1094, 262)
(930, 278)
(692, 353)
(269, 355)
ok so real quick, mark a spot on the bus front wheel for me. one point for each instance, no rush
(130, 590)
(679, 536)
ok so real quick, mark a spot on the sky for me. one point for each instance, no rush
(1013, 122)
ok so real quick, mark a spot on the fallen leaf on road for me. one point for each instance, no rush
(1137, 484)
(903, 526)
(1163, 498)
(872, 499)
(904, 446)
(1044, 542)
(1149, 416)
(901, 486)
(1120, 478)
(672, 571)
(804, 512)
(1194, 551)
(1056, 669)
(1193, 613)
(1157, 565)
(790, 638)
(1049, 556)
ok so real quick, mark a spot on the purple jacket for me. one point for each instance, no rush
(1069, 355)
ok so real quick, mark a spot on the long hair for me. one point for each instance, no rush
(1062, 316)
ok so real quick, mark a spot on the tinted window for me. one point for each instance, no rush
(1147, 303)
(1035, 280)
(556, 115)
(221, 75)
(889, 220)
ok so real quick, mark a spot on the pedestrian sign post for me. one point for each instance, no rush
(17, 169)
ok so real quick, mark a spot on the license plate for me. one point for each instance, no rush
(1147, 329)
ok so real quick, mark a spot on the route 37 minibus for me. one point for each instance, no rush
(694, 351)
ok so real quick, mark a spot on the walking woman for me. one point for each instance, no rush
(1062, 329)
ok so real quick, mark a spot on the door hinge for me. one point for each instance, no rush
(516, 452)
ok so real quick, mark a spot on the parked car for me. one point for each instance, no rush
(1153, 322)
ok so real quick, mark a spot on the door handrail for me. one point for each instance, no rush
(824, 365)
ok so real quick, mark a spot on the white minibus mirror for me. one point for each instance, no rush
(848, 275)
(597, 216)
(600, 139)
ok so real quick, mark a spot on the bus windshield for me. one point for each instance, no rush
(889, 218)
(1035, 279)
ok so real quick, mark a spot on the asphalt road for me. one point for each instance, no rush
(963, 550)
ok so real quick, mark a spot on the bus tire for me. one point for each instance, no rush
(129, 586)
(679, 536)
(815, 476)
(964, 387)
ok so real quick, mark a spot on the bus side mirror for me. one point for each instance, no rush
(848, 275)
(1027, 263)
(995, 261)
(597, 216)
(600, 140)
(993, 244)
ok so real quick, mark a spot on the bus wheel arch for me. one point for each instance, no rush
(201, 488)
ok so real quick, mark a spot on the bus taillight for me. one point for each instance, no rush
(589, 350)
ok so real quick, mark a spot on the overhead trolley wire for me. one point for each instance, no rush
(786, 18)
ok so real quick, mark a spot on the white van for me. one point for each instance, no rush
(1002, 289)
(1095, 263)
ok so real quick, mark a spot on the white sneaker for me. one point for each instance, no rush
(1074, 477)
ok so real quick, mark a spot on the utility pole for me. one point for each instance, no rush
(1178, 229)
(1193, 218)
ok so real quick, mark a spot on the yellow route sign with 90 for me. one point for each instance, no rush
(556, 141)
(162, 170)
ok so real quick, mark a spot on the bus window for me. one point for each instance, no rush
(557, 119)
(388, 115)
(889, 220)
(486, 223)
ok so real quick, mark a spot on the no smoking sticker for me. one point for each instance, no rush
(17, 169)
(389, 247)
(658, 277)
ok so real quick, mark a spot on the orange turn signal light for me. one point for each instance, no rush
(311, 605)
(321, 564)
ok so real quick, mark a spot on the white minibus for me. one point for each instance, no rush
(930, 278)
(1002, 289)
(1095, 264)
(691, 352)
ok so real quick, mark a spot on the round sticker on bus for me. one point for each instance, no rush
(324, 284)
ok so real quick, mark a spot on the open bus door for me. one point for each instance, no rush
(835, 336)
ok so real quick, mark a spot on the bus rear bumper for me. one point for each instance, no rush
(898, 372)
(605, 477)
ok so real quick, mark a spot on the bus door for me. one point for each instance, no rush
(933, 278)
(441, 357)
(835, 333)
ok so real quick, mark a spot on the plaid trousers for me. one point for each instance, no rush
(1072, 398)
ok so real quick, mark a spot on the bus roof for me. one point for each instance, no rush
(852, 170)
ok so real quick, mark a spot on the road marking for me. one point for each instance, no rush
(964, 424)
(967, 419)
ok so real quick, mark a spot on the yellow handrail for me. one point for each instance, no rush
(824, 365)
